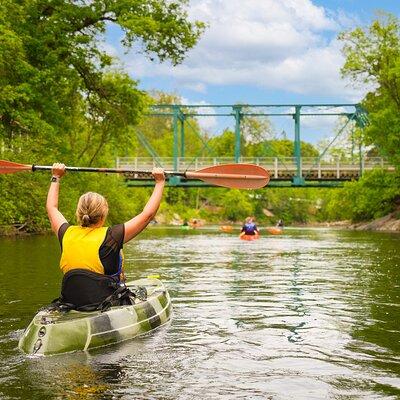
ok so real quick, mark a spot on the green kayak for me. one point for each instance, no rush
(55, 332)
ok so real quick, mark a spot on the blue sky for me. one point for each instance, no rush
(260, 52)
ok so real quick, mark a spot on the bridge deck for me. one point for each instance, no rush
(281, 169)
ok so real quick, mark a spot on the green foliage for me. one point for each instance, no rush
(62, 98)
(285, 148)
(224, 144)
(255, 130)
(158, 132)
(237, 205)
(373, 58)
(58, 85)
(24, 198)
(291, 204)
(373, 196)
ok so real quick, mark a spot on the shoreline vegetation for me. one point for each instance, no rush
(388, 223)
(80, 108)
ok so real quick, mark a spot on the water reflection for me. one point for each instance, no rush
(70, 376)
(296, 303)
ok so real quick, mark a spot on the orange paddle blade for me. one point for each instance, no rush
(9, 167)
(236, 176)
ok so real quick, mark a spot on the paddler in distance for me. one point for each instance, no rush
(249, 228)
(91, 259)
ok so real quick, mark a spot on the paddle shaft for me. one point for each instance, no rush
(188, 174)
(104, 170)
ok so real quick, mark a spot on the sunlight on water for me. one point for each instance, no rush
(312, 314)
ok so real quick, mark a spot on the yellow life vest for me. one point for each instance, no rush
(80, 249)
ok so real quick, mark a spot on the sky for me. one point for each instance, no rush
(261, 52)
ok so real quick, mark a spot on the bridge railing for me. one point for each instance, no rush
(281, 168)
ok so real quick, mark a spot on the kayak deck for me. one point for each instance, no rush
(55, 332)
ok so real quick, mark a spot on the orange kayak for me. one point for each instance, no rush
(275, 231)
(249, 237)
(226, 228)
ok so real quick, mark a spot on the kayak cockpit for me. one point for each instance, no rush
(55, 332)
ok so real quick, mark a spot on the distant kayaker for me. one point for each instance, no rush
(279, 224)
(249, 228)
(90, 250)
(195, 223)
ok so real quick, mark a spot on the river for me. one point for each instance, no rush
(311, 314)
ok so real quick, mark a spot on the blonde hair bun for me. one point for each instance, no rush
(92, 208)
(85, 220)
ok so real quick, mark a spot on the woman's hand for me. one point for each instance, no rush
(158, 174)
(58, 170)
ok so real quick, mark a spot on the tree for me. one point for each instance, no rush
(237, 205)
(158, 131)
(373, 196)
(224, 144)
(344, 142)
(373, 59)
(63, 98)
(256, 129)
(55, 77)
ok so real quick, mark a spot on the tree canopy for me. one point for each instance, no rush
(60, 84)
(373, 60)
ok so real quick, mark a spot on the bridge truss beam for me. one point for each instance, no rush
(181, 113)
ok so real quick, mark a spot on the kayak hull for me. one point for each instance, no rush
(249, 237)
(55, 332)
(275, 231)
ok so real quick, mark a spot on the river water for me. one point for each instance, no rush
(311, 314)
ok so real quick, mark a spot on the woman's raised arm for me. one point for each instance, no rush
(55, 217)
(135, 225)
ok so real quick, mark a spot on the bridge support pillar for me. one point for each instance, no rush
(175, 150)
(174, 181)
(182, 126)
(177, 114)
(298, 180)
(238, 116)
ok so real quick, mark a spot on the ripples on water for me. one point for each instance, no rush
(313, 314)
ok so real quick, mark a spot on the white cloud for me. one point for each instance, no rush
(196, 87)
(208, 124)
(327, 122)
(276, 44)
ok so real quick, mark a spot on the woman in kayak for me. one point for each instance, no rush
(249, 228)
(90, 251)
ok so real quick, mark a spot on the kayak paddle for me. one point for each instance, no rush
(235, 176)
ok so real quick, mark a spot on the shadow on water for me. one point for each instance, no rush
(311, 314)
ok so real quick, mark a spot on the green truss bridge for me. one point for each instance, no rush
(296, 171)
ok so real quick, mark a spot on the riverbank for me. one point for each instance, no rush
(16, 230)
(390, 222)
